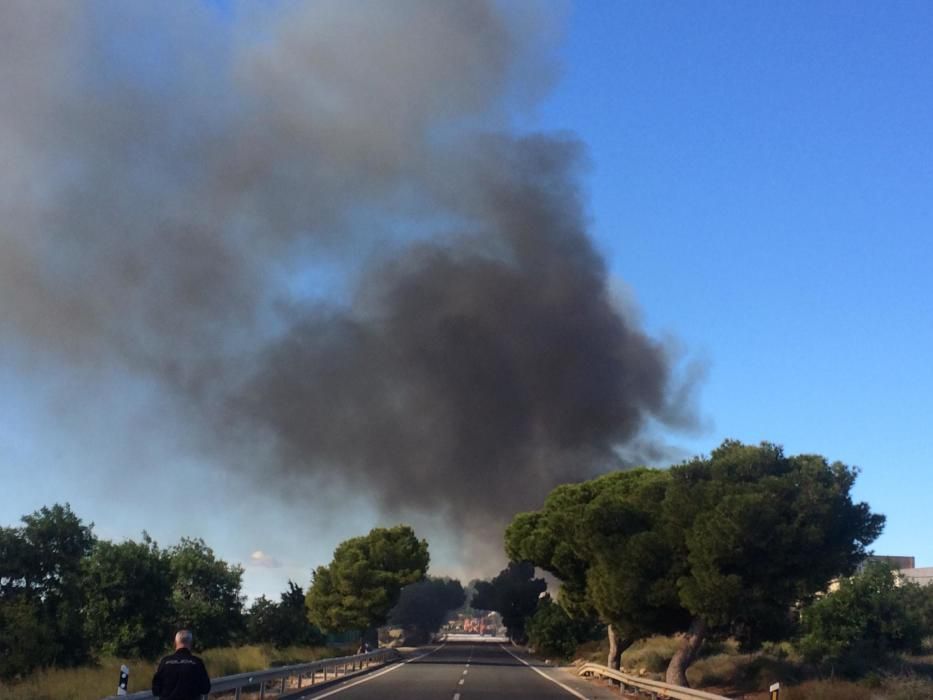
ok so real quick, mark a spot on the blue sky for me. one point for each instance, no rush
(762, 178)
(760, 181)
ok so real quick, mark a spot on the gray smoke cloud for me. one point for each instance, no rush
(312, 223)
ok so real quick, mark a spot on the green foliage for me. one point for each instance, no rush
(128, 587)
(24, 638)
(759, 531)
(40, 586)
(552, 632)
(726, 544)
(867, 618)
(513, 594)
(262, 620)
(205, 593)
(284, 623)
(608, 544)
(363, 583)
(423, 606)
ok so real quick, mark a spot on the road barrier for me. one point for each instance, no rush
(656, 689)
(285, 680)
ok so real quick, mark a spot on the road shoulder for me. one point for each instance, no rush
(566, 676)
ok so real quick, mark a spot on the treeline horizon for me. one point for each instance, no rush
(742, 544)
(68, 597)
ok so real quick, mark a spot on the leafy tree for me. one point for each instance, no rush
(866, 619)
(262, 620)
(760, 532)
(514, 594)
(364, 580)
(606, 541)
(423, 607)
(553, 632)
(284, 623)
(128, 588)
(294, 625)
(40, 581)
(14, 564)
(206, 593)
(723, 545)
(24, 638)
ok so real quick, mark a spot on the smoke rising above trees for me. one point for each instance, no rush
(313, 228)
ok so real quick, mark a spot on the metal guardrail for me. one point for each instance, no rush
(285, 680)
(657, 689)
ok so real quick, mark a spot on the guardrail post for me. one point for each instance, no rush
(124, 681)
(775, 691)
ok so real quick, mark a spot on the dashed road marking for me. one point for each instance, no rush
(460, 682)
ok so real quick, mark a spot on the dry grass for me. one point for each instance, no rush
(723, 669)
(95, 682)
(650, 656)
(892, 688)
(827, 690)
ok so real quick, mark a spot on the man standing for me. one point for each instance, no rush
(182, 675)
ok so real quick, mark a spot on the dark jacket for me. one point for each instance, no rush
(181, 676)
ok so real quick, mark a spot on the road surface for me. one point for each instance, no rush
(463, 671)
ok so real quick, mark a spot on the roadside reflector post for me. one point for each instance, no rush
(775, 691)
(124, 681)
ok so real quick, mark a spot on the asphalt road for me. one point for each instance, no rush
(462, 671)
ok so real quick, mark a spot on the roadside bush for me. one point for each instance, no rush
(865, 621)
(552, 632)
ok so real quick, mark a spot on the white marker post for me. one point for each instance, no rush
(775, 690)
(124, 680)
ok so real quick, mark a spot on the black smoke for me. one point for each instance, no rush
(313, 224)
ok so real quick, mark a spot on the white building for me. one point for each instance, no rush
(923, 575)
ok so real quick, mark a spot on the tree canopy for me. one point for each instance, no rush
(725, 544)
(40, 588)
(364, 580)
(284, 623)
(760, 532)
(514, 594)
(206, 593)
(423, 607)
(127, 586)
(607, 542)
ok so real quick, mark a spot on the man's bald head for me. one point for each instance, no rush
(184, 639)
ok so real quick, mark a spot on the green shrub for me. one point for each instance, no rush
(552, 632)
(867, 619)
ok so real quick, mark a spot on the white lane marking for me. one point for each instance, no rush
(544, 675)
(456, 696)
(460, 682)
(465, 672)
(373, 676)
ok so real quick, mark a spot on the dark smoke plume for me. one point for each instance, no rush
(312, 224)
